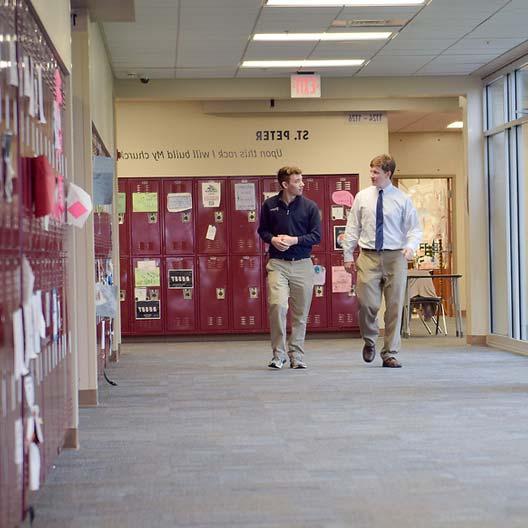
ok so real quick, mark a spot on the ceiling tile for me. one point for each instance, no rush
(278, 50)
(295, 20)
(405, 65)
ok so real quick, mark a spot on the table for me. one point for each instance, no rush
(453, 277)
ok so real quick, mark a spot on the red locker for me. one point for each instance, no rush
(244, 205)
(343, 305)
(269, 186)
(337, 213)
(177, 205)
(211, 217)
(123, 216)
(125, 294)
(214, 299)
(246, 292)
(314, 189)
(145, 214)
(147, 310)
(181, 294)
(318, 318)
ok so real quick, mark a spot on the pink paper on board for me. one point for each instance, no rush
(58, 87)
(343, 198)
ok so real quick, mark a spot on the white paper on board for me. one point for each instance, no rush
(338, 212)
(211, 233)
(19, 442)
(140, 294)
(179, 202)
(34, 467)
(18, 340)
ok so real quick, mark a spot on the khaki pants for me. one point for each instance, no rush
(383, 273)
(293, 281)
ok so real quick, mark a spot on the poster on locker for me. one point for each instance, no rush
(148, 310)
(179, 202)
(211, 194)
(145, 202)
(269, 194)
(339, 236)
(245, 197)
(180, 279)
(145, 277)
(341, 280)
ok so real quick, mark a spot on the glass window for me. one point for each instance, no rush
(522, 93)
(523, 229)
(495, 99)
(499, 234)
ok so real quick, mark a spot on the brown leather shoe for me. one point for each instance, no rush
(369, 353)
(391, 362)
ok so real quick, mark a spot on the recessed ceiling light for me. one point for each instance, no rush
(364, 35)
(456, 124)
(302, 63)
(337, 3)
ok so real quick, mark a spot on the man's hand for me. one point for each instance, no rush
(350, 266)
(408, 253)
(278, 243)
(290, 240)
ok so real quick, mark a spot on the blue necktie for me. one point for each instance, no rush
(379, 222)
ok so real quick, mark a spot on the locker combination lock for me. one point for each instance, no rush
(186, 218)
(153, 218)
(122, 295)
(121, 218)
(187, 293)
(219, 217)
(220, 293)
(253, 293)
(319, 291)
(252, 216)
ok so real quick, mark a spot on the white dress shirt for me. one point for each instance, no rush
(401, 227)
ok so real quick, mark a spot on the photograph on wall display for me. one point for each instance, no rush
(339, 235)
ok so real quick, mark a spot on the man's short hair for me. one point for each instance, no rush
(284, 173)
(385, 162)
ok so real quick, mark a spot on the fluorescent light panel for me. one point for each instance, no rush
(456, 124)
(302, 63)
(337, 3)
(299, 37)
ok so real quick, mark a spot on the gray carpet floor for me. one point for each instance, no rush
(203, 435)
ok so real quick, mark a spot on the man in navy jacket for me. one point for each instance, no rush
(291, 225)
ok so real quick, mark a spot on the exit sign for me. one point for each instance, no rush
(305, 85)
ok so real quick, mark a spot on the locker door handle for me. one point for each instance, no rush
(220, 293)
(253, 293)
(187, 293)
(219, 217)
(121, 218)
(153, 218)
(122, 295)
(319, 291)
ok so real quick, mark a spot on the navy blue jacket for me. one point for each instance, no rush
(301, 218)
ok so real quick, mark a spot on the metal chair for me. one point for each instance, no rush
(420, 303)
(422, 294)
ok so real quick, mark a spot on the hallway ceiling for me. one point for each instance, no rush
(172, 39)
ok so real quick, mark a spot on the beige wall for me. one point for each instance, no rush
(101, 88)
(180, 133)
(442, 154)
(56, 20)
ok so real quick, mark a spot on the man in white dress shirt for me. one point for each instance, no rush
(385, 225)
